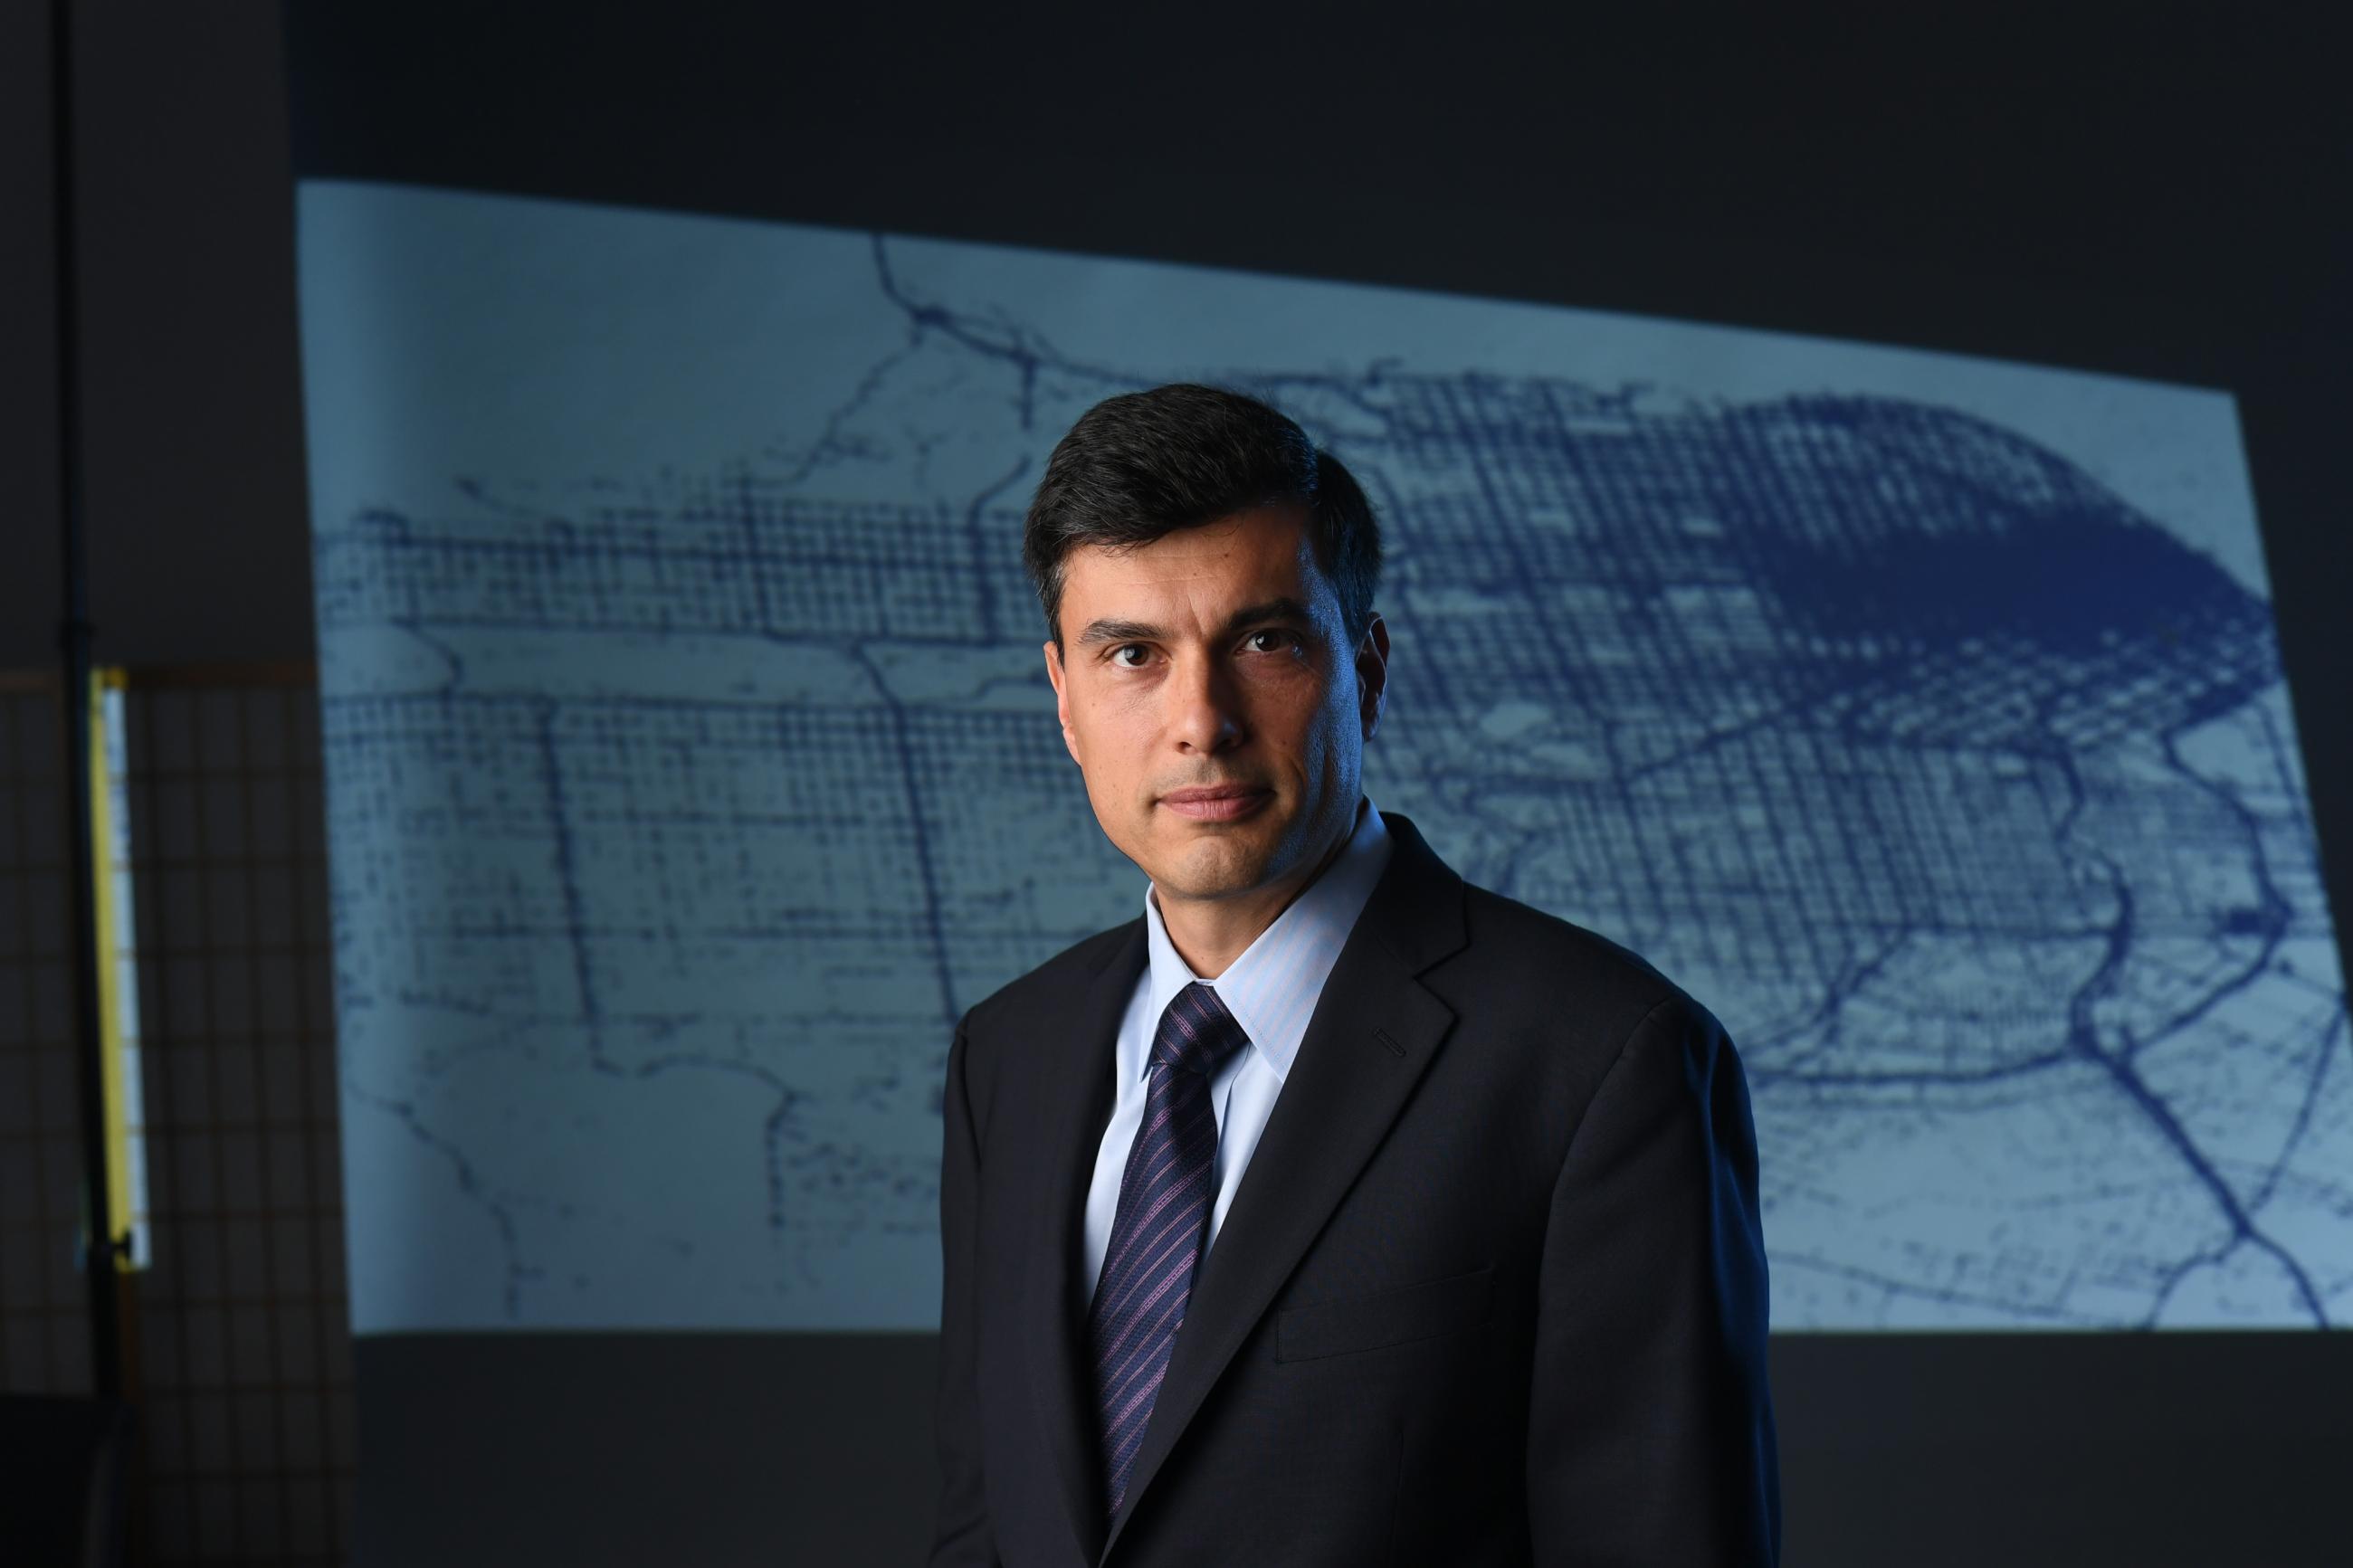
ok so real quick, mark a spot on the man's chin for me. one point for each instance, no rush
(1216, 869)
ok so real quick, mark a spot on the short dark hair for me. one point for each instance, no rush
(1145, 464)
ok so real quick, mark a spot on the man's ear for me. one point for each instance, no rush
(1061, 698)
(1372, 674)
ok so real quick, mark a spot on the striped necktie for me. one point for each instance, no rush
(1156, 1230)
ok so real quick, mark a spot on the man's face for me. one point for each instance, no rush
(1213, 659)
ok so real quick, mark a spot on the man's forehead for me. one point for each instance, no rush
(1248, 552)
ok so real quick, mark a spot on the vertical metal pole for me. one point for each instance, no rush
(101, 1255)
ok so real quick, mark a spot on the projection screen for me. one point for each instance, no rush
(692, 764)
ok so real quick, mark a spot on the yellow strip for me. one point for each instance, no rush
(110, 998)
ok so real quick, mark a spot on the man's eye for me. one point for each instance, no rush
(1282, 638)
(1128, 647)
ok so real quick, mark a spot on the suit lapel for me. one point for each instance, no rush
(1374, 1032)
(1077, 1071)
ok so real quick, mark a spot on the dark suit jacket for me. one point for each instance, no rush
(1491, 1290)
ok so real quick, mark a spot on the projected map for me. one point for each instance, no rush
(692, 764)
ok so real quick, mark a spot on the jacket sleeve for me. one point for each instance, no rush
(1651, 1434)
(961, 1534)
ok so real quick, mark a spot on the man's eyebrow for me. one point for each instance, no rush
(1102, 631)
(1283, 610)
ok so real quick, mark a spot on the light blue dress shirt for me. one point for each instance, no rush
(1271, 990)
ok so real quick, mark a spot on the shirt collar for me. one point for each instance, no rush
(1272, 989)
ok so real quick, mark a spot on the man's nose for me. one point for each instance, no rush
(1205, 713)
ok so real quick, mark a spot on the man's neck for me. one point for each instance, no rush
(1210, 934)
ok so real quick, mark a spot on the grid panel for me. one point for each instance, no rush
(244, 1333)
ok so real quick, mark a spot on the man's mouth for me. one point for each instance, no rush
(1217, 802)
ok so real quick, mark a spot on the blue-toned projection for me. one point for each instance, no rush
(693, 766)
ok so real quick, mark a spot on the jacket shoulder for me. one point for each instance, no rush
(1000, 1033)
(1520, 956)
(1053, 983)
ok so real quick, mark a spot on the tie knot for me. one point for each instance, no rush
(1195, 1031)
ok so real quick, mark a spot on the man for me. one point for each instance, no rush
(1334, 1210)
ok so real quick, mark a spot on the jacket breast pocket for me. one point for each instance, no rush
(1386, 1317)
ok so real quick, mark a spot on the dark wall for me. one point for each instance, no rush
(1932, 1451)
(191, 406)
